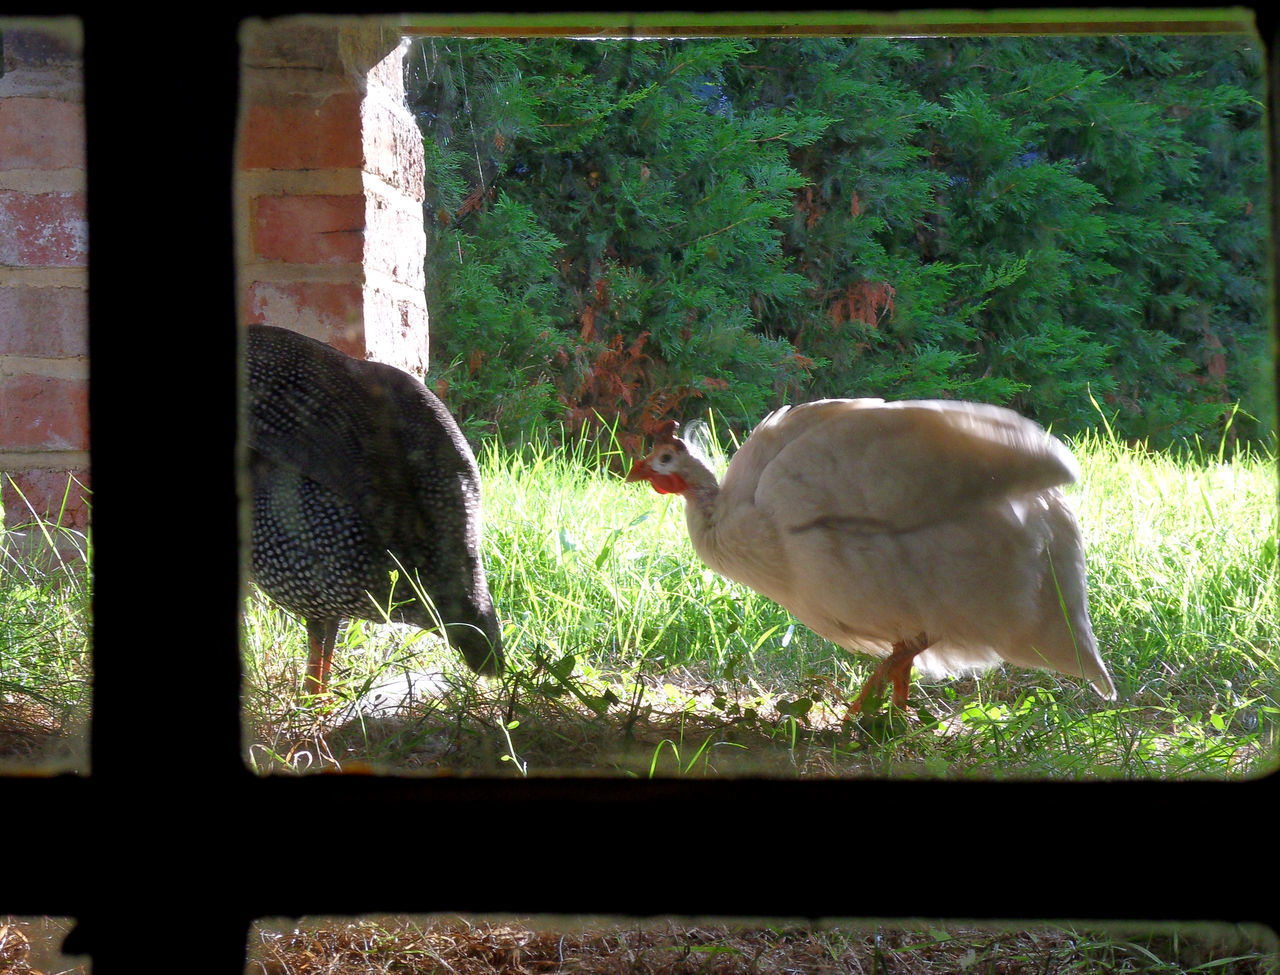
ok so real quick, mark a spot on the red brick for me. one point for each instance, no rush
(293, 44)
(43, 229)
(393, 149)
(396, 243)
(396, 331)
(306, 133)
(50, 494)
(331, 312)
(309, 229)
(44, 413)
(51, 323)
(41, 133)
(36, 46)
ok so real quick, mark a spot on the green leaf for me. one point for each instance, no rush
(795, 708)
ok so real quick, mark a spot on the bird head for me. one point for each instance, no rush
(482, 651)
(661, 467)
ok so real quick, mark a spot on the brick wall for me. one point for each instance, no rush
(328, 219)
(329, 231)
(44, 308)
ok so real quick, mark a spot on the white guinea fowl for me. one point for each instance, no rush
(926, 532)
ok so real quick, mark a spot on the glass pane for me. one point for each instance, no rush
(45, 537)
(620, 233)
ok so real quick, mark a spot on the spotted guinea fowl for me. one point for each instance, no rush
(357, 470)
(932, 533)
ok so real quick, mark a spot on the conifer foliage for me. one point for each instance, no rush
(625, 232)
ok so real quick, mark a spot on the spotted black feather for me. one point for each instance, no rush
(357, 469)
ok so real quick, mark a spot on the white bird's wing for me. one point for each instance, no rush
(864, 465)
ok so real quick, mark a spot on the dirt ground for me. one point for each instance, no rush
(500, 946)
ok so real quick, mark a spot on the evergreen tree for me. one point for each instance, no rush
(635, 230)
(883, 313)
(657, 198)
(1086, 166)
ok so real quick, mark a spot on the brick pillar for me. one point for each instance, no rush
(44, 305)
(330, 238)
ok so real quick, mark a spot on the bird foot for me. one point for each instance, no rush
(872, 700)
(895, 669)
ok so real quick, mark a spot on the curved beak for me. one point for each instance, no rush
(662, 483)
(640, 471)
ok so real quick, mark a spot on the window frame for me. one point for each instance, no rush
(144, 849)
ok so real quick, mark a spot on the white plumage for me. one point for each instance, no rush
(932, 533)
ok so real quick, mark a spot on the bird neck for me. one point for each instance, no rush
(701, 496)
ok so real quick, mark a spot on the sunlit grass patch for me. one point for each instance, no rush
(46, 626)
(630, 657)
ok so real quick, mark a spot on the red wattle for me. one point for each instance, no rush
(668, 483)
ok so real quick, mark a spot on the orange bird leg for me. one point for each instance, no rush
(321, 637)
(897, 668)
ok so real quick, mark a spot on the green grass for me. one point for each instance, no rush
(45, 635)
(629, 657)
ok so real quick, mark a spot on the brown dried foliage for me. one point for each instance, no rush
(35, 737)
(864, 301)
(489, 946)
(612, 386)
(33, 946)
